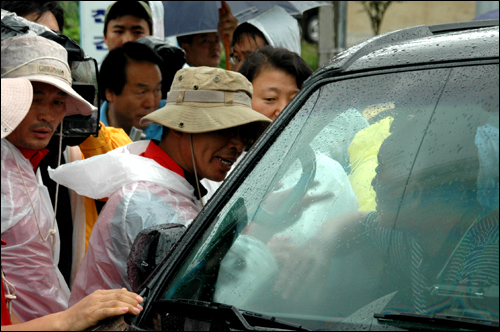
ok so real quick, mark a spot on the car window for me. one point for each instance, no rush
(381, 190)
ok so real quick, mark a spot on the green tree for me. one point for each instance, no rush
(71, 19)
(376, 11)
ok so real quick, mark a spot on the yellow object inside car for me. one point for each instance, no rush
(363, 161)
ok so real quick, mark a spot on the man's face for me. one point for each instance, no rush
(140, 96)
(214, 152)
(244, 48)
(273, 89)
(205, 50)
(46, 113)
(124, 29)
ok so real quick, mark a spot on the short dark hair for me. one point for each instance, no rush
(277, 58)
(24, 8)
(246, 28)
(122, 8)
(113, 74)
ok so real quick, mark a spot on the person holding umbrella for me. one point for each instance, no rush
(204, 49)
(275, 27)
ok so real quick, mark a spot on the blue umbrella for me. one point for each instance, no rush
(189, 17)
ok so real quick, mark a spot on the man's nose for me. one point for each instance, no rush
(279, 107)
(149, 100)
(128, 37)
(237, 143)
(47, 113)
(214, 44)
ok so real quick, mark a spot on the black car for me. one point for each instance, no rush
(370, 203)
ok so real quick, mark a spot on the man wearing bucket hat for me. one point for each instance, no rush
(17, 98)
(208, 122)
(28, 222)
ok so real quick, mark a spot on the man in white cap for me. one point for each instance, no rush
(208, 122)
(28, 223)
(17, 97)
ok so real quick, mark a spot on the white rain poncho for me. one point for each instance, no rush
(279, 28)
(141, 192)
(29, 263)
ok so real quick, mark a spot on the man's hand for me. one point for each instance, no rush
(227, 23)
(99, 305)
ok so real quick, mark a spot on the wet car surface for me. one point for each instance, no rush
(370, 203)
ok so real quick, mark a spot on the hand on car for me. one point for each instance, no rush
(99, 305)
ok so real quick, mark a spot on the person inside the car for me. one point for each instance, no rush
(439, 236)
(208, 122)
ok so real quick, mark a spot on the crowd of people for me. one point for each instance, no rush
(57, 276)
(72, 207)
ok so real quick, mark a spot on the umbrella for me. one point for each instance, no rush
(491, 15)
(190, 17)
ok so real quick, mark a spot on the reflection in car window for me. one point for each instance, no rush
(379, 185)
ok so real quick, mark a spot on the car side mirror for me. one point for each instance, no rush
(149, 249)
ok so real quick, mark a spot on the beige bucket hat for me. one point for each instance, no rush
(205, 99)
(17, 95)
(42, 60)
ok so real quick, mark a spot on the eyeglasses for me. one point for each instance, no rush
(233, 59)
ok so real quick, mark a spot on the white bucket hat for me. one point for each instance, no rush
(205, 99)
(17, 95)
(41, 60)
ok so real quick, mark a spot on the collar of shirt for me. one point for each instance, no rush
(153, 151)
(34, 156)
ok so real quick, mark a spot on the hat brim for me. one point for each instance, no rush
(17, 96)
(195, 118)
(75, 104)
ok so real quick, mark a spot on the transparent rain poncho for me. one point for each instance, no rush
(141, 192)
(29, 262)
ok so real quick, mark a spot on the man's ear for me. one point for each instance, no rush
(110, 96)
(414, 199)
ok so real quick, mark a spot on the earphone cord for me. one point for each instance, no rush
(194, 167)
(52, 230)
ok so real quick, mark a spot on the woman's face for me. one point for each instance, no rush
(272, 91)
